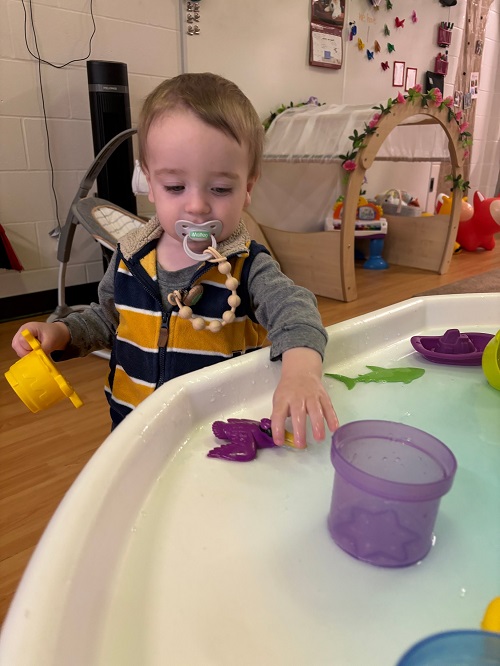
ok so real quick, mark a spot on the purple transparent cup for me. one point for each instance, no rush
(389, 480)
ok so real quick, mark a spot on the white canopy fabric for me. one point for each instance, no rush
(312, 133)
(302, 174)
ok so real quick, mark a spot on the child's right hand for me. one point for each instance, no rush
(50, 336)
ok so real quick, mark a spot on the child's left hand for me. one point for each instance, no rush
(300, 393)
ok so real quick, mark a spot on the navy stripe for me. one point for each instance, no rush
(144, 364)
(134, 292)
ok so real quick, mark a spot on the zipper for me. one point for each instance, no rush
(164, 330)
(162, 348)
(165, 318)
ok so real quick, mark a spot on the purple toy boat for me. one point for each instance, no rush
(452, 348)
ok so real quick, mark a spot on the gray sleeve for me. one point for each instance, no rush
(288, 312)
(94, 328)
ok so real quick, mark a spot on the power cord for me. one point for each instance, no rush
(55, 233)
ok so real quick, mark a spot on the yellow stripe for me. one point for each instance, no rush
(149, 264)
(141, 328)
(126, 390)
(238, 336)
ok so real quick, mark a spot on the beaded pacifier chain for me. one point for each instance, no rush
(198, 233)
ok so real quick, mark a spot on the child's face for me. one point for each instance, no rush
(196, 173)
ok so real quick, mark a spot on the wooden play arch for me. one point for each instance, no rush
(324, 261)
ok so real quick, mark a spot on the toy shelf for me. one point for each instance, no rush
(311, 259)
(418, 242)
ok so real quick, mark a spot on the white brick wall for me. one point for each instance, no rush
(145, 35)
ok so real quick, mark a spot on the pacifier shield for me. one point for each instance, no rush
(190, 231)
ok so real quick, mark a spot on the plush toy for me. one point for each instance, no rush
(444, 203)
(443, 207)
(479, 230)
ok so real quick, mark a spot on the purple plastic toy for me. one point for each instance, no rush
(389, 480)
(245, 437)
(452, 348)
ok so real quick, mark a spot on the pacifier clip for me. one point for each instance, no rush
(201, 233)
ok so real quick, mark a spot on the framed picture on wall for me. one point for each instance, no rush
(458, 97)
(474, 84)
(398, 74)
(411, 78)
(325, 49)
(329, 11)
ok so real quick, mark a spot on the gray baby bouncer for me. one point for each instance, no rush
(104, 221)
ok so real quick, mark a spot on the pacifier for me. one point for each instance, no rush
(189, 231)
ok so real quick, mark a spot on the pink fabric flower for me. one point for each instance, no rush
(435, 95)
(373, 122)
(448, 101)
(466, 154)
(349, 165)
(458, 116)
(401, 98)
(417, 88)
(463, 126)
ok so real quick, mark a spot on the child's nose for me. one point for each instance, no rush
(197, 204)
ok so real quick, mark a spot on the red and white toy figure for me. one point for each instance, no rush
(480, 229)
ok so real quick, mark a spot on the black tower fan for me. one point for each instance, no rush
(110, 115)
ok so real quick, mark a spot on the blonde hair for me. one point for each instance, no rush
(216, 101)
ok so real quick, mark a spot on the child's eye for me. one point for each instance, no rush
(174, 188)
(222, 190)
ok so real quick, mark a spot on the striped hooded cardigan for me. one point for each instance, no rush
(152, 345)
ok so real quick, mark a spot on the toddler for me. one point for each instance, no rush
(189, 288)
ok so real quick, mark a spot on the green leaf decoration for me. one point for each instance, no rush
(458, 183)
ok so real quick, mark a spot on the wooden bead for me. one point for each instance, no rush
(215, 326)
(228, 317)
(224, 267)
(198, 323)
(185, 312)
(232, 284)
(234, 300)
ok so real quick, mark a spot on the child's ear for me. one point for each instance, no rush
(148, 180)
(248, 197)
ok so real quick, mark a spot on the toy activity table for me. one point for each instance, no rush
(160, 555)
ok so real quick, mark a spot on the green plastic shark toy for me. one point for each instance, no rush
(404, 375)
